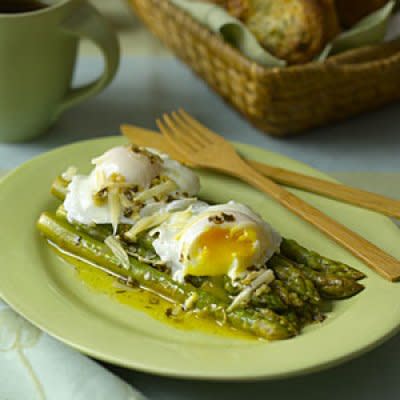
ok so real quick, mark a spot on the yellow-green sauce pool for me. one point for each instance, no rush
(145, 300)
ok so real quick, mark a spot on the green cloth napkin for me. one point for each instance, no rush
(35, 366)
(370, 30)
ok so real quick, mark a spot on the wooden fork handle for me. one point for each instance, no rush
(377, 259)
(358, 197)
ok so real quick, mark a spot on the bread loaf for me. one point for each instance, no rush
(292, 30)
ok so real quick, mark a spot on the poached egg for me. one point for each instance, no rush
(121, 175)
(215, 240)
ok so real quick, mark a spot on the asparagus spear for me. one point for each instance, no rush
(308, 313)
(333, 287)
(278, 298)
(330, 286)
(99, 231)
(301, 255)
(288, 303)
(268, 325)
(294, 279)
(269, 300)
(290, 297)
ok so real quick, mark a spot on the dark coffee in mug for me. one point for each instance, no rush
(21, 6)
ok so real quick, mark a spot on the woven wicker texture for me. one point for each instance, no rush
(279, 101)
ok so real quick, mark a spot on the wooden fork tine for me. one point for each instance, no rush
(200, 128)
(166, 132)
(174, 135)
(170, 139)
(189, 130)
(180, 133)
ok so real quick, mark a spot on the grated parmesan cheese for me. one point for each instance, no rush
(115, 246)
(265, 278)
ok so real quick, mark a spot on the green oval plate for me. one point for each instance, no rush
(38, 286)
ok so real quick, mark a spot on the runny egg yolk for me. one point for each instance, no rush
(219, 250)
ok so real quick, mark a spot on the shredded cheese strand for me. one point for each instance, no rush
(115, 246)
(146, 223)
(158, 190)
(266, 277)
(69, 173)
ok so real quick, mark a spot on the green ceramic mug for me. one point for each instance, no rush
(38, 51)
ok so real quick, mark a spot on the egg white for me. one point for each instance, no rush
(135, 168)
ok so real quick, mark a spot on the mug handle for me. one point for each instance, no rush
(87, 22)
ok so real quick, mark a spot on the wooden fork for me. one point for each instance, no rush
(361, 198)
(201, 147)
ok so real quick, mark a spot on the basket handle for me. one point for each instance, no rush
(364, 56)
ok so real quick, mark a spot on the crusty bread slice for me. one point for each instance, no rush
(293, 30)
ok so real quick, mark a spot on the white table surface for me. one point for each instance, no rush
(147, 86)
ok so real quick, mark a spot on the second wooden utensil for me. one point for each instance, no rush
(357, 197)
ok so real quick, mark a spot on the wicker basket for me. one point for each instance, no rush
(280, 101)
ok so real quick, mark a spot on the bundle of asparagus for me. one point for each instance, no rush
(303, 282)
